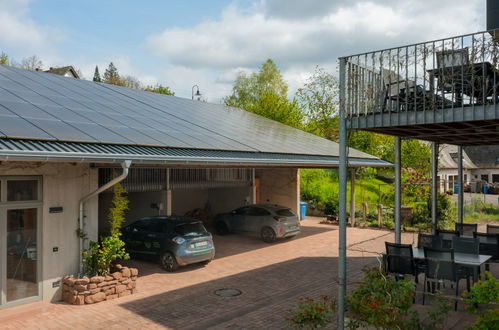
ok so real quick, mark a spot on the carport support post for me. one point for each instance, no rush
(460, 195)
(343, 174)
(398, 189)
(434, 185)
(352, 197)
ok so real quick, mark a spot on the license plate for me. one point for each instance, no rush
(199, 245)
(292, 228)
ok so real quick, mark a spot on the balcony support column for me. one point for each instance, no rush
(398, 189)
(434, 185)
(342, 216)
(460, 195)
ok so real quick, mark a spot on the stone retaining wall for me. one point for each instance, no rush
(80, 291)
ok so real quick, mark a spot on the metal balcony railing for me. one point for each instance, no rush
(460, 71)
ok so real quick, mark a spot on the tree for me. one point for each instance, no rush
(265, 93)
(160, 89)
(97, 77)
(131, 82)
(31, 63)
(319, 98)
(4, 59)
(111, 76)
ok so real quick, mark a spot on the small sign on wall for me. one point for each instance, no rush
(56, 209)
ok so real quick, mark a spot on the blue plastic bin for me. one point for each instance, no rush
(485, 188)
(303, 210)
(456, 188)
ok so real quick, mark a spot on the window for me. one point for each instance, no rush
(154, 226)
(285, 212)
(485, 177)
(191, 229)
(495, 177)
(22, 190)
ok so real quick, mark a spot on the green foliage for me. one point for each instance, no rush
(312, 314)
(484, 294)
(116, 215)
(111, 76)
(381, 301)
(100, 255)
(265, 93)
(318, 189)
(4, 59)
(97, 77)
(160, 89)
(319, 98)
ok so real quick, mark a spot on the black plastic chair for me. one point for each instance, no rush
(466, 229)
(440, 267)
(489, 245)
(468, 245)
(447, 237)
(400, 260)
(430, 241)
(465, 245)
(492, 229)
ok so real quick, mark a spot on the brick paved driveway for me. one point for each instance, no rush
(272, 277)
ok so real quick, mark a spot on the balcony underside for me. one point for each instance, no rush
(471, 125)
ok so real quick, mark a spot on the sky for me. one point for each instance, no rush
(207, 43)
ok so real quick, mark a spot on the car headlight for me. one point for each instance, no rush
(178, 240)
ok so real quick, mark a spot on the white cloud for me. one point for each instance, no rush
(298, 37)
(20, 32)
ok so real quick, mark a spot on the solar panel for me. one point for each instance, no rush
(77, 110)
(17, 127)
(60, 130)
(100, 133)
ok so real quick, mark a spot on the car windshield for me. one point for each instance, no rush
(285, 212)
(191, 229)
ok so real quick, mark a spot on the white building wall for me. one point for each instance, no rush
(280, 186)
(63, 185)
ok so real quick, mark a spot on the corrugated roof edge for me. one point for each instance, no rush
(17, 149)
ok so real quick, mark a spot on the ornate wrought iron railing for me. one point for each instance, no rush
(460, 71)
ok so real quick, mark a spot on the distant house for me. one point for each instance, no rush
(480, 164)
(66, 71)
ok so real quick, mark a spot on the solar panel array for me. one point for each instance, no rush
(43, 106)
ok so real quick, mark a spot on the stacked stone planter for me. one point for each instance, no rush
(80, 291)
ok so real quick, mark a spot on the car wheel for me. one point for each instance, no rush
(267, 234)
(221, 228)
(168, 262)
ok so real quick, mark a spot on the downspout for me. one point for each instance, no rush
(126, 166)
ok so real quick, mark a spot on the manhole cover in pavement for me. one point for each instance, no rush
(228, 292)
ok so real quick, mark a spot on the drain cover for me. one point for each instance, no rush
(228, 292)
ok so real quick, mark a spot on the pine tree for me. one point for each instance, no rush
(97, 77)
(111, 76)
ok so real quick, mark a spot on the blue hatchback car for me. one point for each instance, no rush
(174, 241)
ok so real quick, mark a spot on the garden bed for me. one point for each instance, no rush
(79, 291)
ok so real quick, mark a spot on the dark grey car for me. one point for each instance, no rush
(174, 241)
(267, 221)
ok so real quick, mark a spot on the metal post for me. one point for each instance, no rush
(434, 184)
(398, 189)
(352, 197)
(343, 173)
(460, 195)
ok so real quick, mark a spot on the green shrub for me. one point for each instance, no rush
(484, 295)
(381, 301)
(311, 313)
(100, 255)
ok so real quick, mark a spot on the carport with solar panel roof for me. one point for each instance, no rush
(62, 140)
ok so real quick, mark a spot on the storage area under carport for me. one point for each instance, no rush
(199, 192)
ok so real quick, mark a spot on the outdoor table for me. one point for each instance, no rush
(466, 260)
(476, 80)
